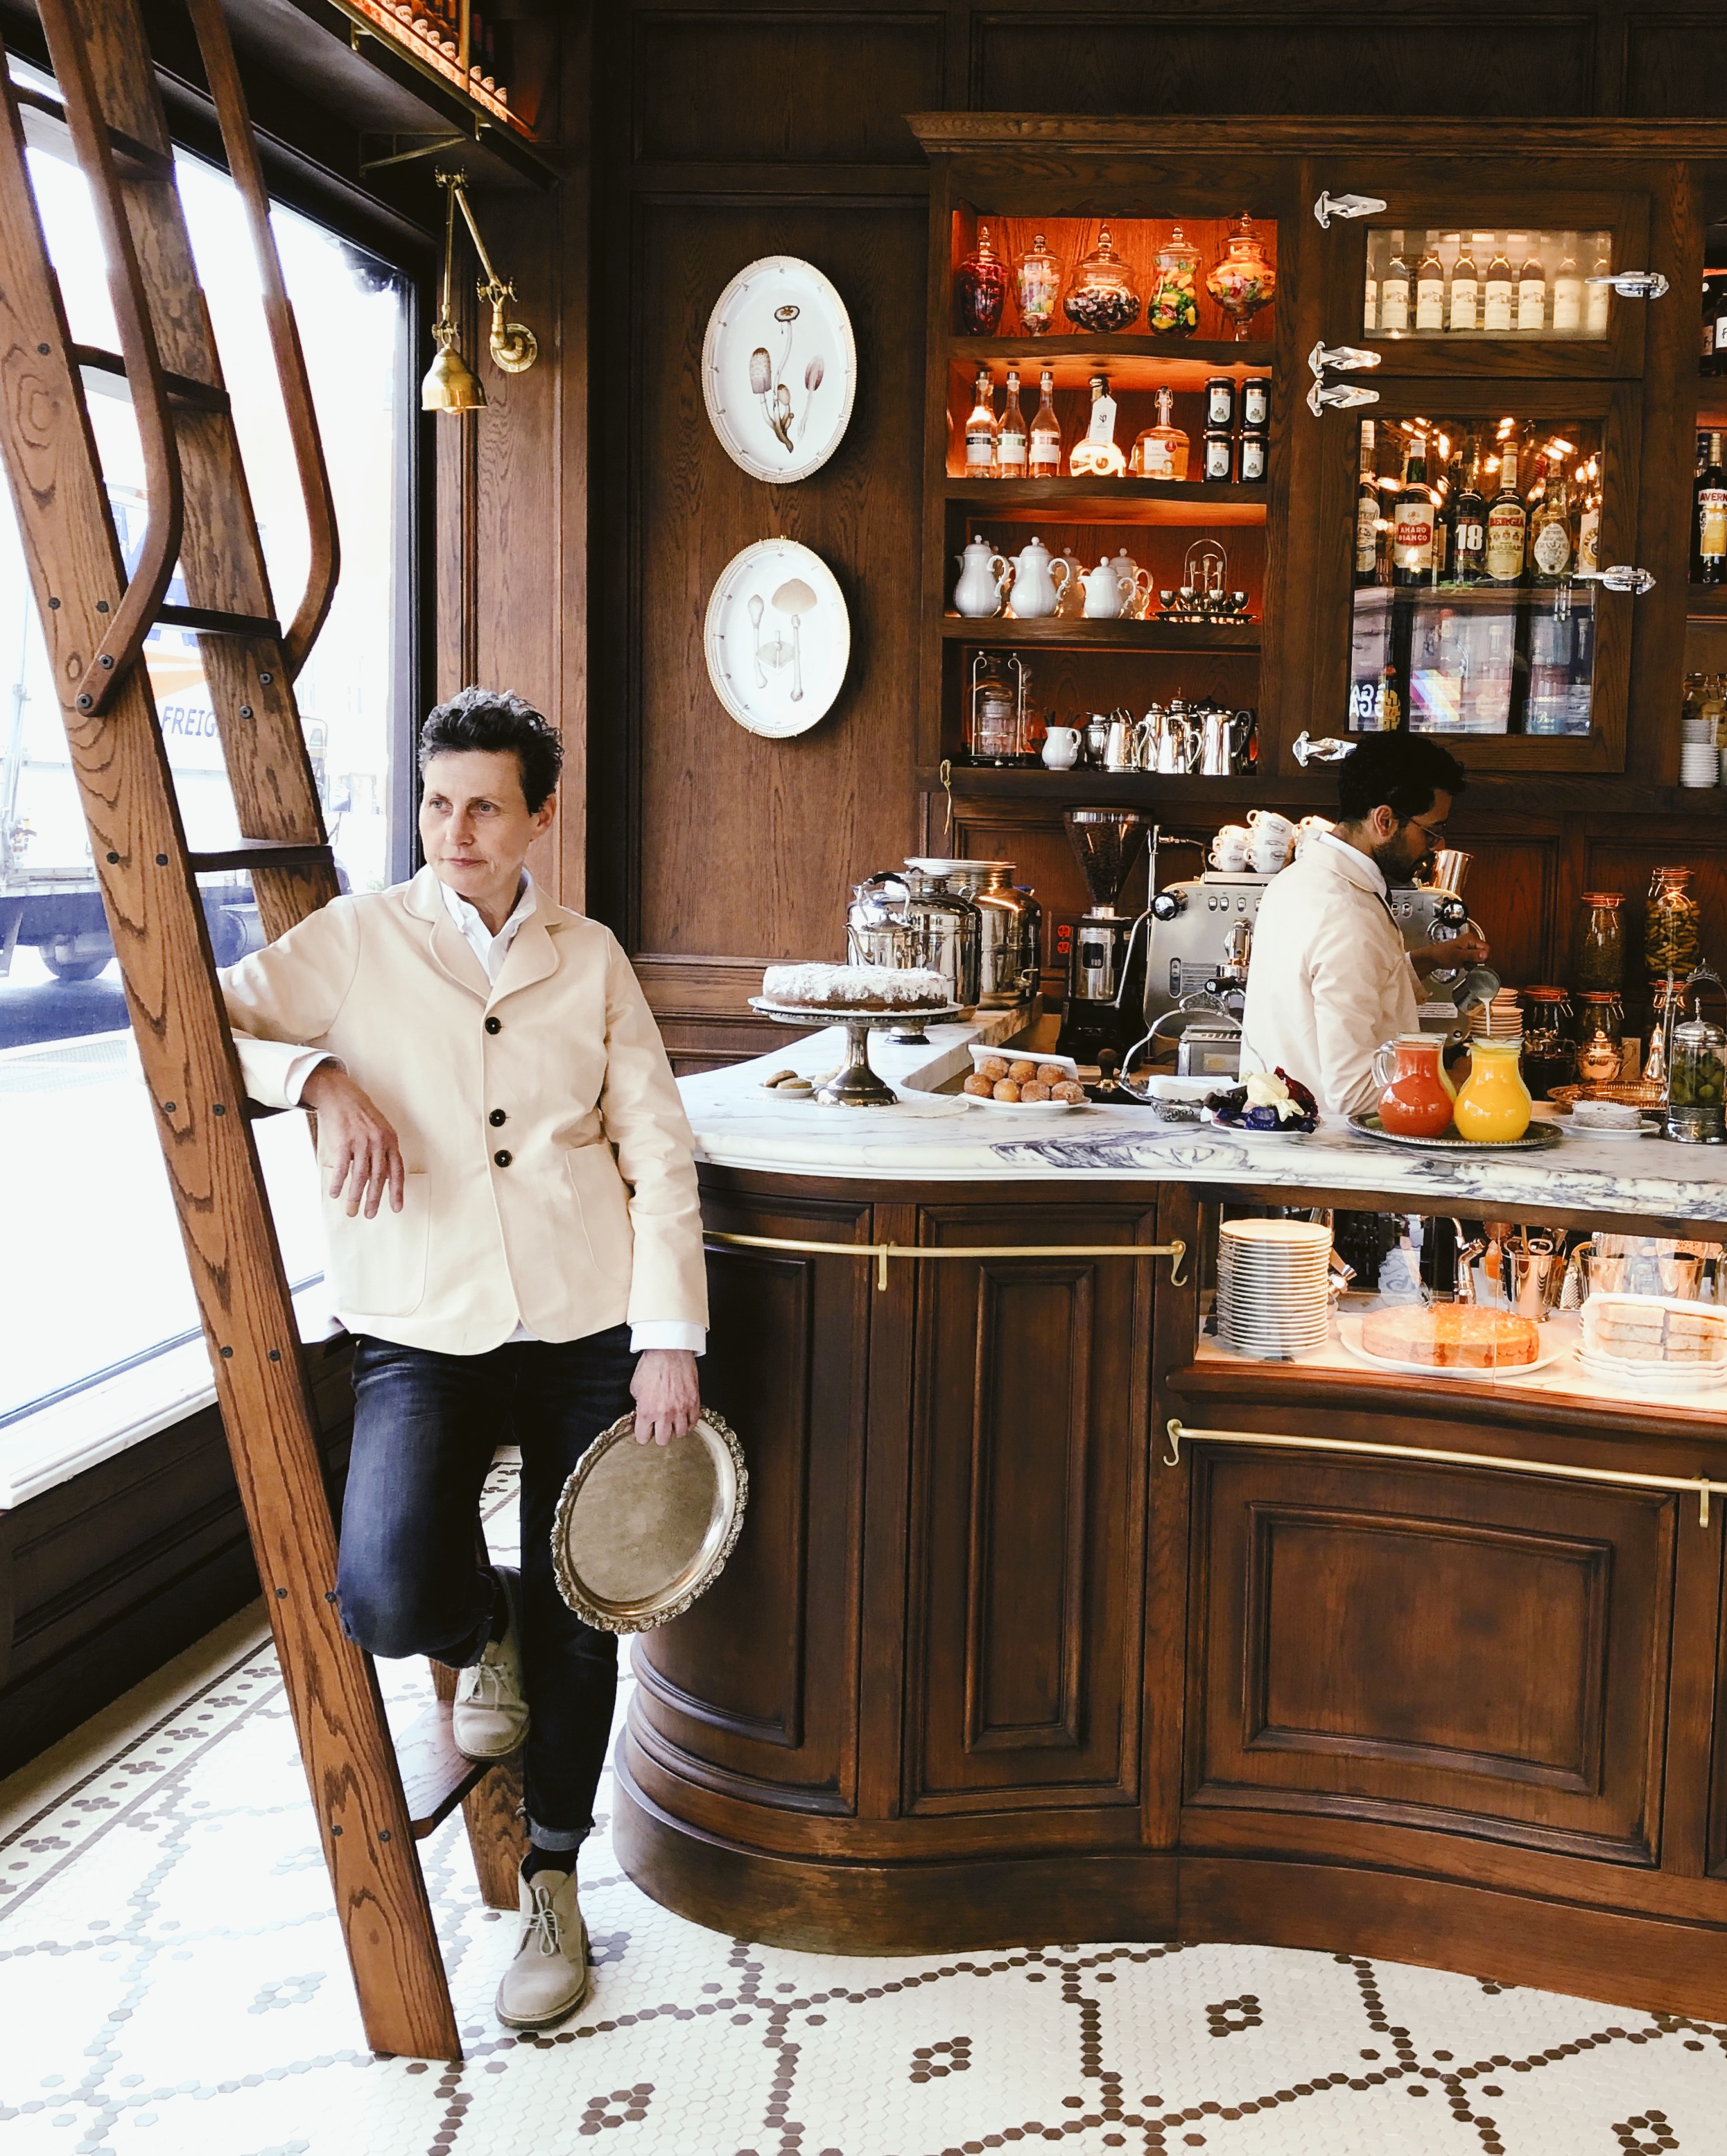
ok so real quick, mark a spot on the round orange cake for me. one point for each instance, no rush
(1451, 1336)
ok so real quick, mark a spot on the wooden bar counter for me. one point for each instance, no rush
(998, 1660)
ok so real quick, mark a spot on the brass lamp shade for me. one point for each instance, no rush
(449, 385)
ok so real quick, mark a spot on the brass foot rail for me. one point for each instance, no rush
(916, 1252)
(1700, 1484)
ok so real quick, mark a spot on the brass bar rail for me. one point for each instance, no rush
(883, 1253)
(1699, 1485)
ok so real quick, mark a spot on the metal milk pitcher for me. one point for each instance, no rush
(1222, 736)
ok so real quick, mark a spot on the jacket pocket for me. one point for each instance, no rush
(380, 1265)
(601, 1210)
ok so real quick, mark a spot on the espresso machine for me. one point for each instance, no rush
(1098, 1008)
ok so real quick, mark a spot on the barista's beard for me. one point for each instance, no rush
(1391, 858)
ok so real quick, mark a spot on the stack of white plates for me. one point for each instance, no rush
(1699, 763)
(1272, 1287)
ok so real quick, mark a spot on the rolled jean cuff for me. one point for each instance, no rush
(561, 1839)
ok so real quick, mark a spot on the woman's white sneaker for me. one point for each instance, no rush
(490, 1718)
(548, 1979)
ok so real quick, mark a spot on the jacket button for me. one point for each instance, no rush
(494, 1025)
(501, 1158)
(496, 1117)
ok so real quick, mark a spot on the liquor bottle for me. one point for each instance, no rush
(1370, 304)
(1387, 705)
(980, 431)
(1706, 361)
(1699, 464)
(1550, 528)
(1430, 288)
(1531, 289)
(1508, 523)
(1497, 296)
(1161, 452)
(1010, 441)
(1412, 521)
(1465, 284)
(1568, 288)
(1095, 456)
(1596, 297)
(1589, 524)
(1046, 434)
(1720, 367)
(1469, 528)
(1397, 292)
(1367, 512)
(1712, 519)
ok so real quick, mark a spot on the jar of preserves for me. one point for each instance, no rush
(1600, 959)
(1697, 1084)
(979, 287)
(1601, 1039)
(1037, 285)
(1549, 1049)
(1671, 944)
(1102, 297)
(1175, 307)
(1243, 280)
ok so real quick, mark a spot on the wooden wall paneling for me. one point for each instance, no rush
(574, 210)
(1532, 61)
(1512, 890)
(1675, 62)
(787, 85)
(747, 846)
(452, 446)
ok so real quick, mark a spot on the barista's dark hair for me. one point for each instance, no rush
(492, 719)
(1399, 771)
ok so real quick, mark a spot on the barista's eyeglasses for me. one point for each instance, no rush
(1434, 833)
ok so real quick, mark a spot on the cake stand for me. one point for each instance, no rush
(856, 1085)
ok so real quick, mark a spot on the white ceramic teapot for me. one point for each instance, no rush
(1107, 591)
(983, 578)
(1038, 582)
(1138, 582)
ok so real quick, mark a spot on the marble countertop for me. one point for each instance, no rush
(933, 1137)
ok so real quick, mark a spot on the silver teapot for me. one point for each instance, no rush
(1223, 737)
(1170, 741)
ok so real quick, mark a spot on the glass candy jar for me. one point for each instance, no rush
(1243, 281)
(1037, 285)
(1175, 308)
(1600, 963)
(1670, 926)
(1697, 1084)
(979, 287)
(1601, 1039)
(1102, 297)
(997, 731)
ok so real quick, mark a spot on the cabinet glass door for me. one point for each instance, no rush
(1479, 534)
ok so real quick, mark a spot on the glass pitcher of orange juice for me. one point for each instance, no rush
(1494, 1106)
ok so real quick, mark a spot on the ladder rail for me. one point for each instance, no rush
(92, 683)
(222, 72)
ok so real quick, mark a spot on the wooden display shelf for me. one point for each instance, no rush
(1074, 633)
(1706, 602)
(1131, 363)
(1110, 501)
(1087, 786)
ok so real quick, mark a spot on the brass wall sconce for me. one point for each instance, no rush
(450, 385)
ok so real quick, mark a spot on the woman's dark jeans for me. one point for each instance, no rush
(425, 1428)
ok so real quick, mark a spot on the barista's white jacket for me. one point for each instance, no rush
(1329, 980)
(551, 1171)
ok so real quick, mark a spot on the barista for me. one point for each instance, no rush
(1330, 979)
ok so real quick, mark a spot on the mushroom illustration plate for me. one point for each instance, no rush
(777, 637)
(780, 369)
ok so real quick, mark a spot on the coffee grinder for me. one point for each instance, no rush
(1108, 843)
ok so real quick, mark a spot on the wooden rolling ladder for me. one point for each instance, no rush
(95, 621)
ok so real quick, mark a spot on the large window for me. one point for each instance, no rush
(77, 1146)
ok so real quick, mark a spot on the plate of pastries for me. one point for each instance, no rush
(1024, 1085)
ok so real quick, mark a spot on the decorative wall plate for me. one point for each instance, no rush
(780, 369)
(777, 637)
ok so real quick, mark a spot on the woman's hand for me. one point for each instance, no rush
(356, 1140)
(668, 1400)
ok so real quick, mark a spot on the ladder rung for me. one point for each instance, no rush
(435, 1777)
(262, 853)
(212, 621)
(182, 389)
(143, 162)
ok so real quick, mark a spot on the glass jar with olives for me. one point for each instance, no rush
(1671, 943)
(1697, 1084)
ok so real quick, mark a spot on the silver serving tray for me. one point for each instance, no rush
(1538, 1138)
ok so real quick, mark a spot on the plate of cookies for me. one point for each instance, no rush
(1026, 1084)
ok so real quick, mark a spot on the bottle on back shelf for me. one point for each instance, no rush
(1161, 452)
(1498, 294)
(1095, 456)
(1367, 512)
(1712, 518)
(1597, 298)
(1531, 287)
(1397, 292)
(1370, 304)
(981, 431)
(1046, 433)
(1589, 522)
(1721, 366)
(1412, 521)
(1568, 288)
(1430, 288)
(1011, 437)
(1469, 527)
(1465, 284)
(1508, 523)
(1550, 527)
(1706, 361)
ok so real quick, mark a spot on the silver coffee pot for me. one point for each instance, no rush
(948, 924)
(1009, 954)
(1224, 736)
(1170, 741)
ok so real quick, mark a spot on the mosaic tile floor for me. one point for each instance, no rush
(171, 1981)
